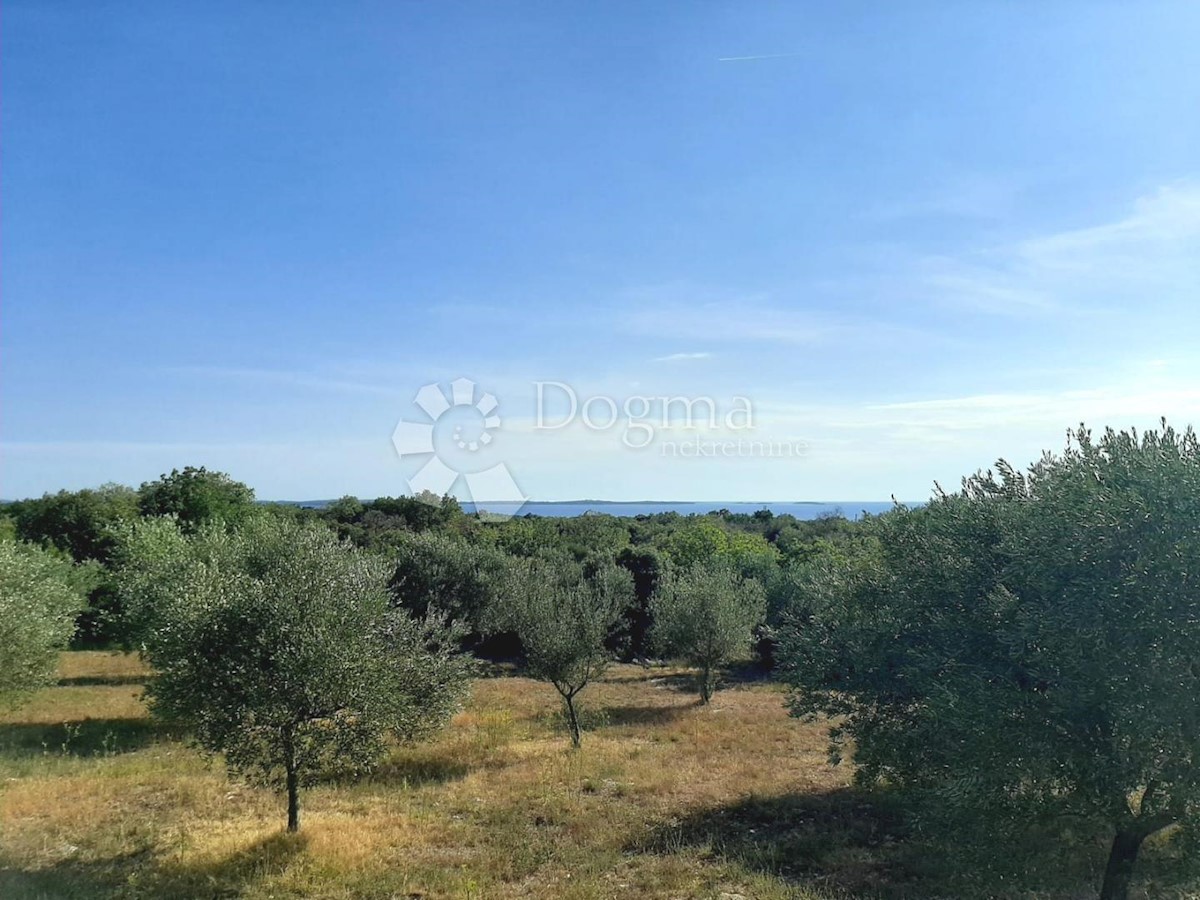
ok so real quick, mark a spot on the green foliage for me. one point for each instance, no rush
(80, 523)
(381, 524)
(790, 588)
(704, 542)
(579, 537)
(83, 524)
(563, 620)
(345, 509)
(591, 535)
(196, 496)
(646, 565)
(277, 646)
(1028, 645)
(706, 615)
(457, 577)
(39, 597)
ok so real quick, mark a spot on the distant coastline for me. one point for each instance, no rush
(714, 504)
(800, 509)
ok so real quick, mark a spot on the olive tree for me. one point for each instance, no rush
(563, 621)
(39, 598)
(706, 616)
(276, 645)
(1028, 645)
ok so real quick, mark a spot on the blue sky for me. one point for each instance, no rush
(915, 236)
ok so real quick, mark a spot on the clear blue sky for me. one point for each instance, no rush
(917, 236)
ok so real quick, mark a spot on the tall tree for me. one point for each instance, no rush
(646, 566)
(80, 523)
(195, 496)
(1028, 645)
(277, 646)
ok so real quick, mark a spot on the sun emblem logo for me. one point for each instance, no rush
(458, 441)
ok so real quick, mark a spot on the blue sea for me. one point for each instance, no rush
(851, 509)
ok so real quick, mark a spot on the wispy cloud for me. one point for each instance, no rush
(681, 313)
(1151, 252)
(1138, 395)
(757, 57)
(744, 320)
(676, 357)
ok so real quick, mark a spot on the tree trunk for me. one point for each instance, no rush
(1121, 857)
(573, 721)
(292, 768)
(293, 799)
(706, 684)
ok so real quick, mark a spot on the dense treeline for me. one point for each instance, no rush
(439, 556)
(1017, 652)
(297, 641)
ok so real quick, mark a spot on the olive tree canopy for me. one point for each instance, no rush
(1029, 645)
(563, 620)
(39, 598)
(706, 616)
(276, 645)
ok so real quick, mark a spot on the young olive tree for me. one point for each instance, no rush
(276, 646)
(706, 616)
(39, 599)
(1027, 646)
(563, 621)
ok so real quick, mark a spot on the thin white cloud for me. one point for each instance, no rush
(674, 357)
(757, 57)
(1136, 397)
(681, 313)
(1151, 253)
(687, 312)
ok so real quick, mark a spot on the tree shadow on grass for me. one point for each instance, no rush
(844, 840)
(688, 682)
(230, 876)
(861, 843)
(746, 672)
(678, 682)
(102, 680)
(80, 737)
(627, 716)
(420, 764)
(70, 879)
(418, 771)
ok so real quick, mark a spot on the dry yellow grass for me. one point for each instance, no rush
(667, 799)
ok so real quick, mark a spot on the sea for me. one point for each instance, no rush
(801, 509)
(850, 509)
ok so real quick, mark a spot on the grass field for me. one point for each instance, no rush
(667, 799)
